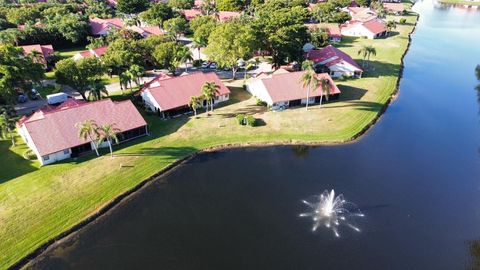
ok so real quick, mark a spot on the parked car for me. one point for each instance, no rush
(34, 95)
(205, 64)
(213, 66)
(56, 98)
(22, 98)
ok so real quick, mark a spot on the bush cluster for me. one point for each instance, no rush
(243, 120)
(29, 155)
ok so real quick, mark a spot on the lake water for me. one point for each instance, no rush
(415, 176)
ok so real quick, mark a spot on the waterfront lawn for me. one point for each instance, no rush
(43, 203)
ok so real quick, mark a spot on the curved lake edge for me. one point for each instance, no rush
(124, 197)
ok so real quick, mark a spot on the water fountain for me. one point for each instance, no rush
(332, 212)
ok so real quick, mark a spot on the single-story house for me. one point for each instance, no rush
(394, 8)
(283, 88)
(335, 62)
(97, 52)
(222, 16)
(146, 31)
(101, 27)
(170, 96)
(360, 14)
(370, 29)
(45, 50)
(333, 30)
(52, 134)
(190, 13)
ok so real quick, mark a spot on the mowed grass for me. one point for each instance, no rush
(37, 204)
(460, 2)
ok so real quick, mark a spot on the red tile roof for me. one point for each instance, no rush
(333, 29)
(53, 128)
(97, 25)
(330, 56)
(287, 86)
(190, 13)
(46, 50)
(175, 92)
(394, 7)
(100, 50)
(227, 15)
(375, 26)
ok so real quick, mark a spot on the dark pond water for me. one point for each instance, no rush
(415, 176)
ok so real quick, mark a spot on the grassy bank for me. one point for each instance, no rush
(37, 204)
(460, 2)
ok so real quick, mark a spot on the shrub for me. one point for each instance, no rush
(403, 21)
(197, 63)
(29, 155)
(261, 103)
(240, 119)
(251, 121)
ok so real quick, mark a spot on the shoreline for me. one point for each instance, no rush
(124, 197)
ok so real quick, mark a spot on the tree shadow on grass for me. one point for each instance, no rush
(167, 152)
(376, 69)
(346, 42)
(351, 93)
(248, 110)
(360, 105)
(13, 164)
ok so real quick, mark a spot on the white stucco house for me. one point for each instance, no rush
(170, 96)
(51, 132)
(370, 29)
(335, 62)
(283, 88)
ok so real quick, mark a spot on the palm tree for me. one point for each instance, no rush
(325, 88)
(309, 80)
(184, 55)
(37, 56)
(210, 90)
(87, 130)
(198, 44)
(97, 90)
(136, 72)
(7, 123)
(390, 26)
(366, 51)
(194, 103)
(123, 81)
(108, 132)
(307, 65)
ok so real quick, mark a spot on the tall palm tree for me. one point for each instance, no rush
(209, 91)
(7, 123)
(136, 72)
(88, 130)
(366, 51)
(109, 133)
(194, 103)
(97, 90)
(123, 81)
(309, 80)
(37, 57)
(184, 55)
(390, 26)
(325, 88)
(307, 65)
(199, 44)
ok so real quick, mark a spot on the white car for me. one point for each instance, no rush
(205, 64)
(213, 66)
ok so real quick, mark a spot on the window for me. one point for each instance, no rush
(47, 157)
(66, 151)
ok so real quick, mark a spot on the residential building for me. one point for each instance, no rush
(370, 29)
(45, 50)
(101, 27)
(52, 134)
(332, 29)
(222, 16)
(394, 8)
(169, 96)
(97, 52)
(360, 14)
(334, 62)
(283, 88)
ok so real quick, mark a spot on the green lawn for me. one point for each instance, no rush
(460, 2)
(37, 204)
